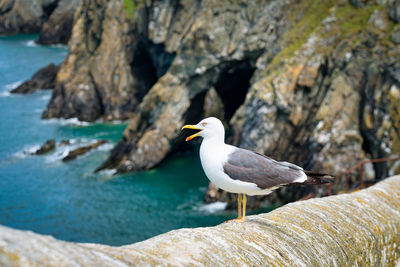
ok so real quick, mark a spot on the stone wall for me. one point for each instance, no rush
(358, 229)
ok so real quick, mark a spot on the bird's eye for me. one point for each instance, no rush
(204, 124)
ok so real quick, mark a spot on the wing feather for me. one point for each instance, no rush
(252, 167)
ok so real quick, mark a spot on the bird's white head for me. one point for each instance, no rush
(209, 128)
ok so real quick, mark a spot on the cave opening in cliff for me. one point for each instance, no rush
(233, 84)
(149, 62)
(49, 8)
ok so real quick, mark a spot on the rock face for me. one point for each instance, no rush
(216, 51)
(58, 28)
(359, 229)
(25, 16)
(311, 82)
(97, 78)
(326, 104)
(43, 79)
(52, 18)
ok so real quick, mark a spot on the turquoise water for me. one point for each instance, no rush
(68, 201)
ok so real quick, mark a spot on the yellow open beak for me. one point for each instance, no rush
(194, 128)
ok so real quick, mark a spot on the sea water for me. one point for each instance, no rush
(66, 199)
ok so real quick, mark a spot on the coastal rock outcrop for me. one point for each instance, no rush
(53, 19)
(96, 78)
(24, 16)
(326, 104)
(83, 150)
(57, 29)
(219, 50)
(311, 82)
(50, 145)
(358, 229)
(43, 79)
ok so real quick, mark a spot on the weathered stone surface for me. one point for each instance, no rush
(98, 77)
(218, 51)
(46, 147)
(43, 79)
(395, 37)
(394, 10)
(82, 150)
(25, 16)
(58, 28)
(358, 229)
(309, 105)
(310, 82)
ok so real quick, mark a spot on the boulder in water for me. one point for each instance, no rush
(82, 150)
(46, 147)
(43, 79)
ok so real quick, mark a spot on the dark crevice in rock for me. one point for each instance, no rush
(149, 62)
(160, 58)
(142, 67)
(6, 7)
(232, 86)
(193, 114)
(49, 8)
(371, 143)
(99, 98)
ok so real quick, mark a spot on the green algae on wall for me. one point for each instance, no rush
(130, 7)
(358, 229)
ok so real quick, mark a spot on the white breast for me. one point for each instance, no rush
(213, 155)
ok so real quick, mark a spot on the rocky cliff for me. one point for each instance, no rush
(52, 18)
(58, 27)
(24, 15)
(359, 229)
(315, 83)
(97, 78)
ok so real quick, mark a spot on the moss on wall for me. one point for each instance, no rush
(130, 7)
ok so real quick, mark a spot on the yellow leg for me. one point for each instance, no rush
(244, 207)
(241, 201)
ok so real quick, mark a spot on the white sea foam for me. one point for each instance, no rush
(46, 97)
(62, 151)
(213, 207)
(11, 86)
(31, 43)
(104, 175)
(5, 94)
(28, 150)
(116, 122)
(59, 46)
(71, 121)
(59, 154)
(105, 147)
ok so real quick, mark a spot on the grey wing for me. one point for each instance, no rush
(248, 166)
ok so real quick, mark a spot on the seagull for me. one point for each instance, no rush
(242, 171)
